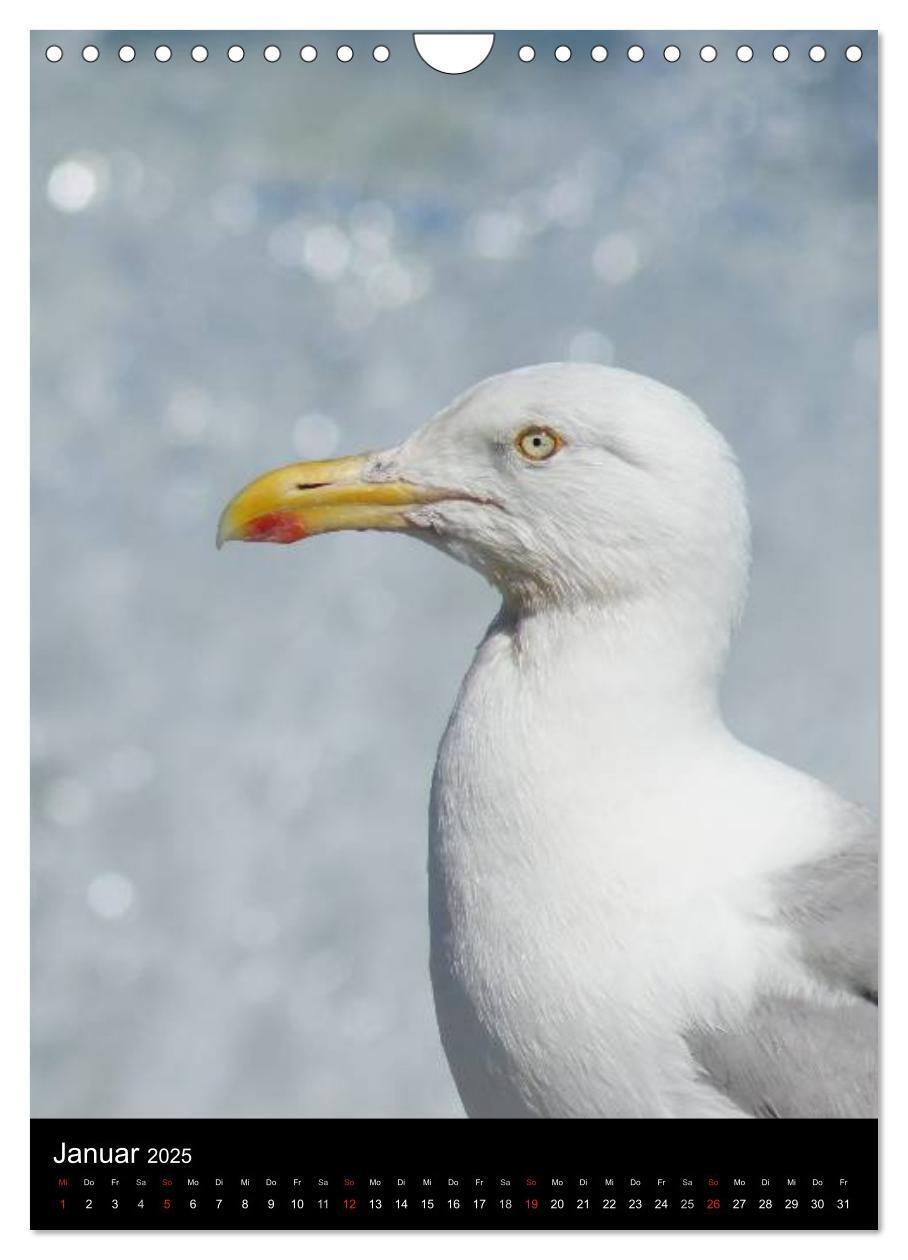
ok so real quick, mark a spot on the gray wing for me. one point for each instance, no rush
(794, 1057)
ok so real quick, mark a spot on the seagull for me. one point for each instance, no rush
(632, 913)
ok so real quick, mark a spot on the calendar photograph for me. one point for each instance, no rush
(569, 815)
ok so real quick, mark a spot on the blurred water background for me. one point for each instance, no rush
(236, 265)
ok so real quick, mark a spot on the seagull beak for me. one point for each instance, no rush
(297, 500)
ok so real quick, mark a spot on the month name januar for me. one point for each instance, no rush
(95, 1154)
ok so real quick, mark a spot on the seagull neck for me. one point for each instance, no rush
(644, 656)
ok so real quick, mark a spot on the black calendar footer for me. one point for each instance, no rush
(450, 1174)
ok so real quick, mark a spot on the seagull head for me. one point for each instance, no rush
(562, 483)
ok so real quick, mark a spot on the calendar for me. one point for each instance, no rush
(350, 855)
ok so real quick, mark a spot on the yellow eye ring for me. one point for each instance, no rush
(538, 442)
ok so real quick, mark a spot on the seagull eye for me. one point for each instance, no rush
(538, 443)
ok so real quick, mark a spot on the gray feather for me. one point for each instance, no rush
(833, 907)
(794, 1058)
(791, 1056)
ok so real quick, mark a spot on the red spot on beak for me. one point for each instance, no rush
(276, 527)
